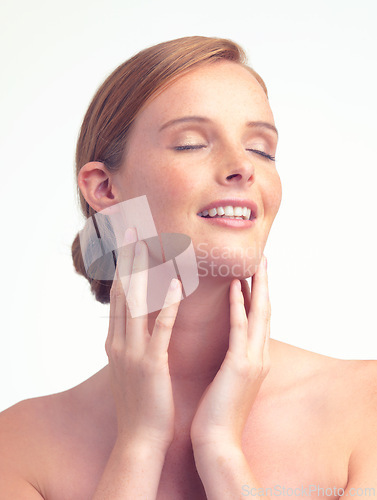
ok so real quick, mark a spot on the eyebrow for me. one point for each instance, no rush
(202, 119)
(185, 119)
(260, 124)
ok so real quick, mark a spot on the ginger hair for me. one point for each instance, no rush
(114, 107)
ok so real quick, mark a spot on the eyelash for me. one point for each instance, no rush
(184, 148)
(200, 146)
(262, 153)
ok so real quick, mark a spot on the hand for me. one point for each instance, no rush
(139, 361)
(225, 405)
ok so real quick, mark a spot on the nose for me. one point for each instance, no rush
(236, 167)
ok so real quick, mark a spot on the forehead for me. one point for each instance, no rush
(222, 90)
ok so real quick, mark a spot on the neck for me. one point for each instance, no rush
(198, 345)
(200, 335)
(199, 342)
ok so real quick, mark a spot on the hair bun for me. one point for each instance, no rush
(99, 288)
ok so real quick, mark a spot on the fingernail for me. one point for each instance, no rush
(138, 248)
(129, 236)
(174, 284)
(238, 285)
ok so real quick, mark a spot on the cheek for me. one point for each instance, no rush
(272, 194)
(178, 186)
(170, 193)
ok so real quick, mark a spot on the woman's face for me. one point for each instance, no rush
(191, 146)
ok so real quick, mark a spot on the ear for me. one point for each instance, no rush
(97, 187)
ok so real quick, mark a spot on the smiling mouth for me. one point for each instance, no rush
(226, 217)
(228, 212)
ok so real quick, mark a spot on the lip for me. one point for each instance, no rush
(233, 202)
(231, 223)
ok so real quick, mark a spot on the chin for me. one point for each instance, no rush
(227, 269)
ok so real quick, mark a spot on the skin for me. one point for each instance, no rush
(203, 407)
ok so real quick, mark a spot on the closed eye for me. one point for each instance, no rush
(262, 153)
(190, 146)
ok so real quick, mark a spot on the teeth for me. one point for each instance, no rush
(228, 211)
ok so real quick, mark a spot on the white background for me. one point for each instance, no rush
(318, 60)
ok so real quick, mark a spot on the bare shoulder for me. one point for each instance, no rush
(22, 443)
(344, 391)
(344, 377)
(353, 387)
(20, 422)
(359, 405)
(338, 394)
(58, 419)
(46, 439)
(27, 427)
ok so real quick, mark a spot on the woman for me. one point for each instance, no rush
(196, 401)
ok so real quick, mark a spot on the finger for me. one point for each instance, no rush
(137, 313)
(110, 333)
(266, 348)
(117, 294)
(259, 311)
(238, 320)
(246, 294)
(126, 257)
(164, 323)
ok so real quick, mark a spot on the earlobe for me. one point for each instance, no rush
(95, 183)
